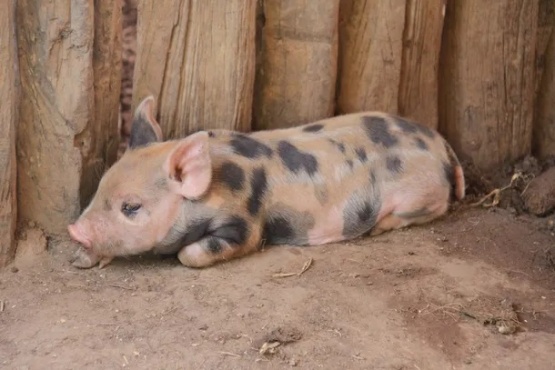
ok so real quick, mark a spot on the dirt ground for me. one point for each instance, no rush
(474, 290)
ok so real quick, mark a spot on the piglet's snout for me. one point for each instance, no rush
(78, 234)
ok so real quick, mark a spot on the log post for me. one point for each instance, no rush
(295, 80)
(546, 21)
(58, 143)
(543, 143)
(389, 57)
(371, 47)
(198, 63)
(9, 96)
(487, 72)
(418, 90)
(103, 132)
(544, 125)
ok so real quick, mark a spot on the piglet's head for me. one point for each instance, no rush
(141, 196)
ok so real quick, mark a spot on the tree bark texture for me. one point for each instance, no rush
(543, 143)
(58, 143)
(487, 79)
(544, 123)
(418, 86)
(198, 60)
(103, 132)
(296, 77)
(389, 57)
(546, 21)
(9, 96)
(371, 35)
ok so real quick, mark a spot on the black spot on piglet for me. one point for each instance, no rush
(278, 230)
(295, 160)
(449, 174)
(214, 245)
(359, 216)
(413, 127)
(394, 164)
(259, 185)
(249, 147)
(421, 144)
(338, 145)
(313, 128)
(232, 175)
(361, 154)
(365, 213)
(377, 130)
(372, 178)
(195, 230)
(234, 231)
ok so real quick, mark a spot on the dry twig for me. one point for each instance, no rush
(305, 267)
(268, 347)
(121, 287)
(496, 193)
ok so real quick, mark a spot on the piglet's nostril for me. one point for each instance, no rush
(78, 235)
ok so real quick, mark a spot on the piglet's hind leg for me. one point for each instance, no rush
(399, 219)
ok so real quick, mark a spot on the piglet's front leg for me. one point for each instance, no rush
(231, 239)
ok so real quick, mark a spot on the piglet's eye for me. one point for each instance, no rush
(130, 209)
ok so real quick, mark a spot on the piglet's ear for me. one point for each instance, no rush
(190, 166)
(144, 129)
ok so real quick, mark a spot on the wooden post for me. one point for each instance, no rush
(103, 132)
(544, 125)
(197, 58)
(371, 46)
(9, 96)
(546, 21)
(487, 79)
(389, 57)
(418, 90)
(543, 143)
(60, 138)
(295, 81)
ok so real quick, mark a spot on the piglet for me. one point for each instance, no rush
(217, 195)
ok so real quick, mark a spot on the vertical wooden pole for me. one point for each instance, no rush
(418, 90)
(60, 138)
(371, 47)
(295, 81)
(102, 131)
(197, 58)
(544, 123)
(389, 56)
(543, 143)
(487, 79)
(9, 96)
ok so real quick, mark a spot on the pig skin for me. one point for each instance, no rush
(216, 195)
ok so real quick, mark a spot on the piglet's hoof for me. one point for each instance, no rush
(84, 260)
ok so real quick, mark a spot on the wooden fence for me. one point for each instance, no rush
(482, 72)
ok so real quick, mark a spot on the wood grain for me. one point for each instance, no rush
(199, 63)
(9, 96)
(61, 132)
(487, 72)
(296, 76)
